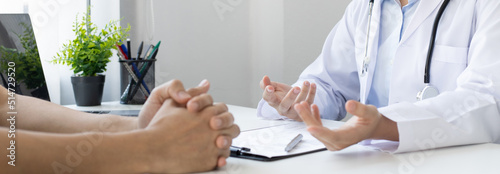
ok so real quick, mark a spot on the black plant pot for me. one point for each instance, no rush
(88, 90)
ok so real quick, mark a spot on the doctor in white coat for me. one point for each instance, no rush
(392, 45)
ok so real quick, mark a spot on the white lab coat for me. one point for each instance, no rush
(465, 68)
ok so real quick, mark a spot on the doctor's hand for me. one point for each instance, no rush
(182, 141)
(283, 97)
(366, 123)
(174, 89)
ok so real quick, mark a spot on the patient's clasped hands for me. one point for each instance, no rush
(188, 127)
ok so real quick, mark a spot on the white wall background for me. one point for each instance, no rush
(232, 43)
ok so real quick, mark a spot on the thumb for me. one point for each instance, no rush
(358, 109)
(172, 89)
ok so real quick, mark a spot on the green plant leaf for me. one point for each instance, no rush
(88, 55)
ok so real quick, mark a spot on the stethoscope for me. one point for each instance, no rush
(429, 91)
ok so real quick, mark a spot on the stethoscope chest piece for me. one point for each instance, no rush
(427, 92)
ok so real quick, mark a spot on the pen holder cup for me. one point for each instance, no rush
(130, 92)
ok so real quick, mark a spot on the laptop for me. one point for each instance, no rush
(18, 46)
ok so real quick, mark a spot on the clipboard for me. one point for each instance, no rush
(245, 155)
(268, 143)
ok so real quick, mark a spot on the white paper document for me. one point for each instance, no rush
(270, 142)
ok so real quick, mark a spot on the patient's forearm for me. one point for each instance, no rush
(39, 115)
(90, 152)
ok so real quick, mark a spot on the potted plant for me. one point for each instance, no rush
(88, 55)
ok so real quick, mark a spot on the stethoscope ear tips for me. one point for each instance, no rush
(428, 92)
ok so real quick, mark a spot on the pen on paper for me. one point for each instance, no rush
(293, 143)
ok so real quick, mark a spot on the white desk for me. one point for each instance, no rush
(482, 158)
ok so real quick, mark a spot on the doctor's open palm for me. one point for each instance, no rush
(283, 97)
(366, 123)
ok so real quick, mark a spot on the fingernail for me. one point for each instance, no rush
(296, 90)
(269, 89)
(204, 82)
(306, 83)
(183, 95)
(194, 106)
(224, 142)
(218, 122)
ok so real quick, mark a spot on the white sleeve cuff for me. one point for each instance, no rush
(382, 145)
(407, 117)
(265, 111)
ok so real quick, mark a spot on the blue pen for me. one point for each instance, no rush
(125, 50)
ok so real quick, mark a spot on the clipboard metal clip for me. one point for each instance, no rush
(237, 151)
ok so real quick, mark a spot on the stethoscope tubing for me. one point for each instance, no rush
(424, 93)
(430, 51)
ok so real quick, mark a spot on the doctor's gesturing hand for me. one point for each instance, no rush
(366, 123)
(283, 97)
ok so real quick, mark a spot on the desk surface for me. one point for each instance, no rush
(481, 158)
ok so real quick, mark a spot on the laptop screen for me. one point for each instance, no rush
(19, 58)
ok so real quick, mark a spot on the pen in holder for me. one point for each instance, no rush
(137, 78)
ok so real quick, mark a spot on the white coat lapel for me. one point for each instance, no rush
(366, 80)
(424, 10)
